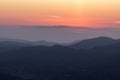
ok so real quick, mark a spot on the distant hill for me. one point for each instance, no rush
(95, 42)
(14, 40)
(11, 44)
(43, 43)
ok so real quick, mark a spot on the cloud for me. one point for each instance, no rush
(58, 27)
(117, 22)
(41, 27)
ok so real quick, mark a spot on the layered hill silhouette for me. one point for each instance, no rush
(84, 44)
(95, 42)
(90, 60)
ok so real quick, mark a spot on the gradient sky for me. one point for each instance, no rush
(89, 13)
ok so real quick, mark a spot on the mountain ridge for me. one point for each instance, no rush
(94, 42)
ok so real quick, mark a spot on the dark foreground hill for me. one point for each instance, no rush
(62, 63)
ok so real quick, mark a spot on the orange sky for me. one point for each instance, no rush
(89, 13)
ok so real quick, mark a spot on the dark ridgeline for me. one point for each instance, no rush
(95, 42)
(92, 59)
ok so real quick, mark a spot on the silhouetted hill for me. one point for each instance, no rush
(40, 59)
(13, 40)
(95, 42)
(12, 45)
(64, 63)
(17, 42)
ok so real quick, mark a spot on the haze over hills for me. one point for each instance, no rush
(83, 44)
(44, 43)
(61, 34)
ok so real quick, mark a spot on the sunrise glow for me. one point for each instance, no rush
(89, 13)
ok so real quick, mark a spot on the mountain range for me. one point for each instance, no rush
(91, 59)
(78, 44)
(95, 42)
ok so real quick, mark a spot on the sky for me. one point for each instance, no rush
(85, 13)
(31, 19)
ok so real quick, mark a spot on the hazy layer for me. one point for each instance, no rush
(59, 34)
